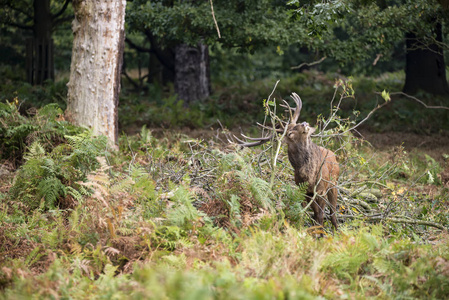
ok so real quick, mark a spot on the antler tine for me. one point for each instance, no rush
(266, 138)
(286, 105)
(257, 141)
(269, 128)
(298, 102)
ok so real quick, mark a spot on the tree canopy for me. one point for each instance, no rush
(245, 24)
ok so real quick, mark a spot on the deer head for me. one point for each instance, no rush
(293, 129)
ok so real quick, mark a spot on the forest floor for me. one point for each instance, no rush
(435, 145)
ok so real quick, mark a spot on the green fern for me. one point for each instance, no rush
(34, 151)
(292, 201)
(34, 256)
(183, 211)
(234, 210)
(231, 161)
(262, 193)
(51, 189)
(52, 176)
(86, 149)
(17, 131)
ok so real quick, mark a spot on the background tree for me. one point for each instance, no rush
(94, 86)
(40, 17)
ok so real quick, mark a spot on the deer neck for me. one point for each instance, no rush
(304, 146)
(300, 153)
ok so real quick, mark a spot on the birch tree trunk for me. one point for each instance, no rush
(94, 85)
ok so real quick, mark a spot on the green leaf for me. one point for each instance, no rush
(386, 96)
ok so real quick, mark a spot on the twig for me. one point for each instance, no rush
(272, 92)
(377, 59)
(278, 149)
(215, 20)
(417, 100)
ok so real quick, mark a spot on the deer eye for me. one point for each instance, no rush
(291, 135)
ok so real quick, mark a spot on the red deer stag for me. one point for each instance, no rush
(313, 164)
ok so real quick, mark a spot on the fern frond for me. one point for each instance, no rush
(262, 193)
(34, 151)
(125, 231)
(74, 193)
(183, 210)
(49, 112)
(234, 210)
(231, 161)
(51, 189)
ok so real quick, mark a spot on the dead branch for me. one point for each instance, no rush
(417, 100)
(309, 64)
(376, 217)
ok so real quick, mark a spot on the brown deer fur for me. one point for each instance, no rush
(315, 165)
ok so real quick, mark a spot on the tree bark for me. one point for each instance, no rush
(192, 76)
(425, 68)
(97, 54)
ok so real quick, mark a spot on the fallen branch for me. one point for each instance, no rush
(378, 217)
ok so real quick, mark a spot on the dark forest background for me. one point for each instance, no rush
(397, 46)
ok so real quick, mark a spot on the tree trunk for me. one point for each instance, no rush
(94, 86)
(425, 68)
(192, 77)
(40, 66)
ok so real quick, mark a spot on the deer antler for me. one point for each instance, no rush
(257, 141)
(294, 115)
(296, 111)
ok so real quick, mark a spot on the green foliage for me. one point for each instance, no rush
(48, 177)
(294, 197)
(166, 112)
(30, 96)
(261, 191)
(246, 24)
(357, 31)
(14, 129)
(183, 213)
(47, 127)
